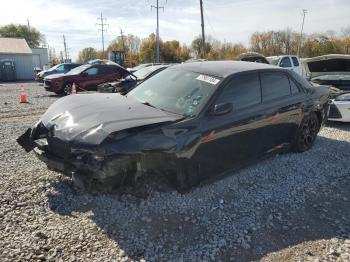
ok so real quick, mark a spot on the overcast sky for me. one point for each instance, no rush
(230, 20)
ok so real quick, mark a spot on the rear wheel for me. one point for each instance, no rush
(307, 133)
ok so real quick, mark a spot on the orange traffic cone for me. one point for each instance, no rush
(74, 89)
(23, 95)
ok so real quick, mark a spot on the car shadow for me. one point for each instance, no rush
(243, 217)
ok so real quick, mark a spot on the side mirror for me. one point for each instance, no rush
(222, 109)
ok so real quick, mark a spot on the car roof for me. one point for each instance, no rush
(223, 68)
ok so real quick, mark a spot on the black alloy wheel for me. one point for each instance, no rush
(307, 133)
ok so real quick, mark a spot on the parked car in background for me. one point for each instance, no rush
(189, 123)
(86, 77)
(131, 81)
(102, 62)
(192, 60)
(290, 62)
(57, 69)
(253, 57)
(332, 70)
(140, 66)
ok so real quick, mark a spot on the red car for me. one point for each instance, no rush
(86, 77)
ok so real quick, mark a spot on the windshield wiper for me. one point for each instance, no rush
(147, 104)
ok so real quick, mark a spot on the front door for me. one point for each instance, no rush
(90, 78)
(233, 139)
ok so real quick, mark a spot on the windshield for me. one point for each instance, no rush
(176, 91)
(273, 61)
(78, 70)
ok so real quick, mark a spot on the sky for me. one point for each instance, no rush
(226, 20)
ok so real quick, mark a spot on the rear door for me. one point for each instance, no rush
(110, 73)
(283, 101)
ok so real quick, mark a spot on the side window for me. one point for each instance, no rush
(285, 62)
(60, 68)
(274, 85)
(242, 91)
(107, 70)
(92, 71)
(295, 61)
(293, 87)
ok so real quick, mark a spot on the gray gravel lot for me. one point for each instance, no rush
(293, 207)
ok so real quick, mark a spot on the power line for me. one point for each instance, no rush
(301, 32)
(102, 24)
(157, 7)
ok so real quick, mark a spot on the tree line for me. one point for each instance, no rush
(268, 43)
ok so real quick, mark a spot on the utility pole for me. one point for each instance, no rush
(301, 32)
(65, 48)
(202, 24)
(157, 7)
(102, 30)
(29, 36)
(122, 36)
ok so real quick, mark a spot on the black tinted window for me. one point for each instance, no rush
(106, 70)
(285, 62)
(242, 91)
(295, 61)
(274, 85)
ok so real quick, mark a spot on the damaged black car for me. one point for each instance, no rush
(189, 123)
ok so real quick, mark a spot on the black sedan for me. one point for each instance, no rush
(189, 122)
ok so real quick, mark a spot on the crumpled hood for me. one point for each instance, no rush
(90, 118)
(329, 66)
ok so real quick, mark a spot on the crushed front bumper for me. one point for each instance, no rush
(41, 151)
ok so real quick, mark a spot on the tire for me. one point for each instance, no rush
(67, 90)
(306, 133)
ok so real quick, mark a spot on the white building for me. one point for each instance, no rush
(26, 59)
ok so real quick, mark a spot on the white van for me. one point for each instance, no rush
(290, 62)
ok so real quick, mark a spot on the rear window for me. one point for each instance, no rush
(106, 70)
(274, 85)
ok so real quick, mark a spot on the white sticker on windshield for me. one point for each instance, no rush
(208, 79)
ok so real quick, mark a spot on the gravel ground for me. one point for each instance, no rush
(293, 207)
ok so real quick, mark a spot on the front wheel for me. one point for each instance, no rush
(306, 133)
(67, 90)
